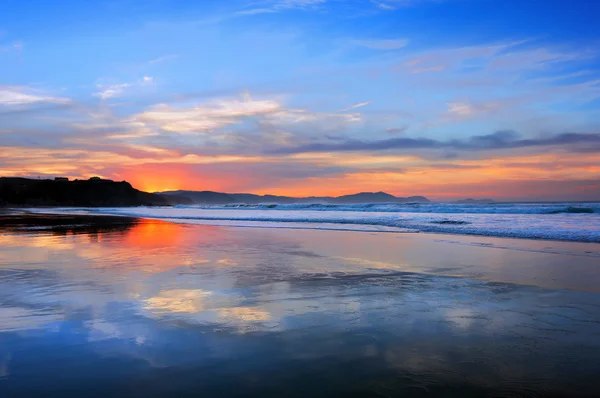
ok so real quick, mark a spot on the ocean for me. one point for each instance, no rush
(125, 307)
(578, 222)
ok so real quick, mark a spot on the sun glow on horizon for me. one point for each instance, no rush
(264, 103)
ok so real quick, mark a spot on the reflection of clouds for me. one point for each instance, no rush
(102, 330)
(217, 307)
(128, 294)
(43, 240)
(32, 248)
(461, 317)
(244, 314)
(178, 300)
(15, 318)
(227, 261)
(361, 263)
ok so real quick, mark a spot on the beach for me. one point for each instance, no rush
(117, 306)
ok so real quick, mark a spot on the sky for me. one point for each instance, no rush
(444, 98)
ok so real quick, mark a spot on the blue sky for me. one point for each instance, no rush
(269, 95)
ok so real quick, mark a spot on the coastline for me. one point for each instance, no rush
(543, 226)
(453, 255)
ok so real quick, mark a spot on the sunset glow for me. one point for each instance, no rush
(321, 98)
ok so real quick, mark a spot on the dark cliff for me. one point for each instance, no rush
(94, 192)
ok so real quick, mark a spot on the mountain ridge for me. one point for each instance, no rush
(97, 192)
(212, 197)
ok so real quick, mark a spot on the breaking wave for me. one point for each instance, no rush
(495, 208)
(560, 221)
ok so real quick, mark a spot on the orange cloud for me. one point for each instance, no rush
(319, 174)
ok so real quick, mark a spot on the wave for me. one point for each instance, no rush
(575, 210)
(441, 208)
(567, 226)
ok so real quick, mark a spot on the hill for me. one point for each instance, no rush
(219, 198)
(94, 192)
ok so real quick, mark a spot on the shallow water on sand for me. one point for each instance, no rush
(148, 308)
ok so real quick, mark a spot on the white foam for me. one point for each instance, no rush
(561, 226)
(452, 208)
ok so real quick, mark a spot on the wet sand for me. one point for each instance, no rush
(127, 307)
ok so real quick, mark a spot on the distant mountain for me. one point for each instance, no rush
(94, 192)
(210, 197)
(367, 197)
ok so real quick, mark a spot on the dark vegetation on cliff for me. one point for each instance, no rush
(94, 192)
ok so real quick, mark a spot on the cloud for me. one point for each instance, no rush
(359, 105)
(396, 130)
(395, 4)
(465, 110)
(297, 3)
(111, 91)
(256, 11)
(383, 44)
(21, 96)
(383, 6)
(273, 6)
(518, 57)
(460, 109)
(270, 116)
(116, 90)
(207, 116)
(429, 69)
(576, 142)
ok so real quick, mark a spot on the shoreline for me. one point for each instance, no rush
(151, 302)
(530, 262)
(305, 225)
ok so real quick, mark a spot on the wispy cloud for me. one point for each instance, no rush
(465, 109)
(383, 6)
(116, 90)
(273, 6)
(390, 5)
(359, 105)
(207, 116)
(429, 69)
(24, 96)
(273, 117)
(111, 91)
(256, 11)
(576, 142)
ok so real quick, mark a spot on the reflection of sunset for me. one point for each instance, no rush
(153, 233)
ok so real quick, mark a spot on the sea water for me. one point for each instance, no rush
(556, 221)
